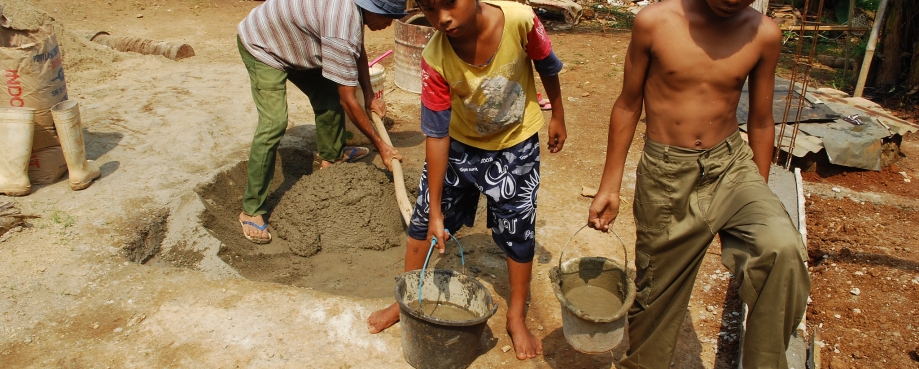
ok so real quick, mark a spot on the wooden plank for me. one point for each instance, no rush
(825, 28)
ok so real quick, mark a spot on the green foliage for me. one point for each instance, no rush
(869, 5)
(860, 49)
(62, 219)
(618, 17)
(842, 11)
(840, 82)
(841, 8)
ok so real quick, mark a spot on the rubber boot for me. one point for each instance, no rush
(17, 128)
(82, 172)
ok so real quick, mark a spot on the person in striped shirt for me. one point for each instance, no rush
(318, 45)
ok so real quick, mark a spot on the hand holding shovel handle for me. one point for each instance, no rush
(405, 206)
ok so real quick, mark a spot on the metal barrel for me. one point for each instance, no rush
(412, 34)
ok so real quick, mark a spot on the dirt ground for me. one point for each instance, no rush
(147, 268)
(864, 268)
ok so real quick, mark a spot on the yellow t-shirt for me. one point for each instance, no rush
(493, 106)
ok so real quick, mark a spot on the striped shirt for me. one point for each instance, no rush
(306, 34)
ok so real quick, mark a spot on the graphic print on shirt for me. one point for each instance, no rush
(504, 101)
(497, 99)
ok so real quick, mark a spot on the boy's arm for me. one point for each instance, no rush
(761, 124)
(547, 64)
(557, 131)
(437, 152)
(436, 113)
(622, 124)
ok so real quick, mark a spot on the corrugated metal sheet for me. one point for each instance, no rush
(813, 111)
(822, 126)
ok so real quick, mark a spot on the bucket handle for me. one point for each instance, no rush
(625, 254)
(428, 258)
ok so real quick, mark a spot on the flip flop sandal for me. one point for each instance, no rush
(353, 154)
(543, 103)
(262, 227)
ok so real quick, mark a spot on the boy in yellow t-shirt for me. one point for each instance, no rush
(481, 117)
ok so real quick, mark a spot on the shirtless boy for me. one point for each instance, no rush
(686, 64)
(481, 118)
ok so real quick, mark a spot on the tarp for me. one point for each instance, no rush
(856, 146)
(812, 111)
(822, 126)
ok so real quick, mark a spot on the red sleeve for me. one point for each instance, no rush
(538, 44)
(435, 92)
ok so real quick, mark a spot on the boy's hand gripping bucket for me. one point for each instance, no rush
(443, 315)
(595, 294)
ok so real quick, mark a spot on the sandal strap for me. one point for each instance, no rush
(259, 227)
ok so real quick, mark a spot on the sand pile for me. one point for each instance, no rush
(345, 207)
(78, 52)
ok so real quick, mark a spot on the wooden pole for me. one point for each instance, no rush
(822, 28)
(761, 5)
(405, 206)
(869, 52)
(913, 80)
(845, 66)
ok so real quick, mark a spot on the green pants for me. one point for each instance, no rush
(269, 90)
(683, 197)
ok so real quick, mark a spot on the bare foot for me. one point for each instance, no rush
(526, 345)
(382, 319)
(251, 228)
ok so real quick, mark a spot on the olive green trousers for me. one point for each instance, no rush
(269, 91)
(683, 198)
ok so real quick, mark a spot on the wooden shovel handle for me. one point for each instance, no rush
(405, 206)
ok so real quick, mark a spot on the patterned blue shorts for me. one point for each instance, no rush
(509, 179)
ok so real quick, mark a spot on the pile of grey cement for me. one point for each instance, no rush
(341, 208)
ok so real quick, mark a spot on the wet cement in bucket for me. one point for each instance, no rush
(337, 230)
(593, 288)
(443, 310)
(595, 294)
(594, 301)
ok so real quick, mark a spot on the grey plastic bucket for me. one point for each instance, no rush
(429, 342)
(585, 332)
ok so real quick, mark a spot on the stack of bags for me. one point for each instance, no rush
(40, 132)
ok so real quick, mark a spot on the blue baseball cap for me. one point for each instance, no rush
(391, 8)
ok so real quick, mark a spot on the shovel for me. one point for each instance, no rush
(405, 206)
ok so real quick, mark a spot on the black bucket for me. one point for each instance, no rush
(431, 342)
